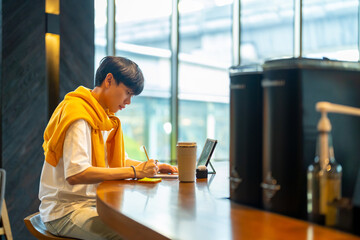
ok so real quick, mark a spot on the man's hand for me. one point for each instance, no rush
(166, 168)
(146, 169)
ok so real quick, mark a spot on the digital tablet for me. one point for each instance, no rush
(204, 159)
(207, 152)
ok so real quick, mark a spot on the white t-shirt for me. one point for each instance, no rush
(57, 196)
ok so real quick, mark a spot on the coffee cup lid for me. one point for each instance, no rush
(186, 144)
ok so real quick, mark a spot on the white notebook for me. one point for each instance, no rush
(166, 175)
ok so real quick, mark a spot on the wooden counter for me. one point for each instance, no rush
(200, 210)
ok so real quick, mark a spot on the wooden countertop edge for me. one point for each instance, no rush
(130, 229)
(281, 222)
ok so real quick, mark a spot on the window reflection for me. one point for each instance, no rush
(143, 23)
(142, 35)
(204, 58)
(267, 29)
(331, 29)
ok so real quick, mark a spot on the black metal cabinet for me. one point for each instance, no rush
(246, 135)
(291, 89)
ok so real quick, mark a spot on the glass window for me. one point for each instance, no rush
(205, 39)
(100, 30)
(143, 35)
(330, 29)
(267, 29)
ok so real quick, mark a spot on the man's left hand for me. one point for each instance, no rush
(166, 168)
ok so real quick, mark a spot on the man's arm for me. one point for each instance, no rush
(129, 162)
(162, 167)
(93, 175)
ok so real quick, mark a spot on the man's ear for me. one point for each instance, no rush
(108, 79)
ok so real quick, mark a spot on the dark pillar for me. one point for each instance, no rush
(23, 106)
(24, 94)
(76, 45)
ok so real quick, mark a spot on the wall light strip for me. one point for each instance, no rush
(52, 48)
(52, 6)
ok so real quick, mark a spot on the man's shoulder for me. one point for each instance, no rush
(75, 110)
(74, 104)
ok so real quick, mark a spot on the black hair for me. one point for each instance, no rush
(124, 71)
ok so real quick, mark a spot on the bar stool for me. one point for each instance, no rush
(5, 228)
(37, 228)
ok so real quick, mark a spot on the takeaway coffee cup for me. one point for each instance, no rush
(186, 157)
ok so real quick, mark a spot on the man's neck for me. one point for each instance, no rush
(98, 95)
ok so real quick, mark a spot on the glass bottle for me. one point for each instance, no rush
(330, 186)
(313, 189)
(324, 182)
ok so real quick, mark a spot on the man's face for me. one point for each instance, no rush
(116, 96)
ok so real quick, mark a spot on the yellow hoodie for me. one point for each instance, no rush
(80, 104)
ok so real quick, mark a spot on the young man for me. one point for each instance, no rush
(83, 146)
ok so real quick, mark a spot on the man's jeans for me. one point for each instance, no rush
(83, 223)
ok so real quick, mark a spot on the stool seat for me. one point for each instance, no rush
(37, 228)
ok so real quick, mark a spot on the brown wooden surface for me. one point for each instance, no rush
(200, 210)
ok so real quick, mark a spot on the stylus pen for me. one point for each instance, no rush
(147, 156)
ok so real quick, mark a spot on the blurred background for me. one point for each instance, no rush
(185, 49)
(205, 33)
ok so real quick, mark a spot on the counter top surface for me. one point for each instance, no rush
(199, 210)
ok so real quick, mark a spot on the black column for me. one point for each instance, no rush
(24, 94)
(23, 106)
(76, 45)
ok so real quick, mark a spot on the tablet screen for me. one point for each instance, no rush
(207, 152)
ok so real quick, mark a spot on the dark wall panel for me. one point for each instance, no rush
(1, 82)
(76, 45)
(24, 106)
(24, 96)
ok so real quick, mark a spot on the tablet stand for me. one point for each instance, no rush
(213, 169)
